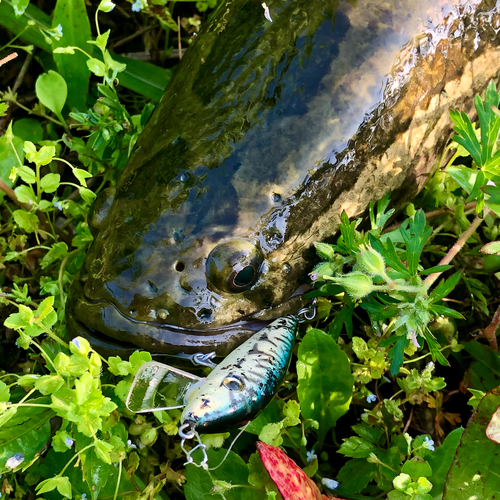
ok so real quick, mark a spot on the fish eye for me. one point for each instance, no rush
(234, 266)
(233, 383)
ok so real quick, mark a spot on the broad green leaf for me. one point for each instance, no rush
(356, 447)
(97, 67)
(28, 129)
(50, 182)
(234, 470)
(25, 194)
(441, 460)
(8, 158)
(25, 433)
(324, 394)
(26, 220)
(416, 467)
(465, 177)
(474, 471)
(485, 371)
(51, 90)
(72, 16)
(354, 476)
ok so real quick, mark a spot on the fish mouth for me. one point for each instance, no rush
(112, 332)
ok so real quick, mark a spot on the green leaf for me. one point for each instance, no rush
(396, 354)
(445, 287)
(20, 6)
(416, 467)
(8, 158)
(97, 67)
(441, 460)
(44, 308)
(465, 177)
(466, 135)
(81, 175)
(356, 447)
(434, 346)
(474, 471)
(354, 476)
(47, 384)
(42, 157)
(50, 182)
(4, 392)
(103, 450)
(485, 371)
(324, 394)
(51, 90)
(26, 220)
(72, 16)
(27, 432)
(233, 470)
(25, 194)
(28, 129)
(62, 484)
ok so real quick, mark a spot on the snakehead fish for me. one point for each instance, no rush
(265, 134)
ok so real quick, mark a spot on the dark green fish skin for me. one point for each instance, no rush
(266, 133)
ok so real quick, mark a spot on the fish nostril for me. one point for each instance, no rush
(179, 266)
(205, 313)
(162, 313)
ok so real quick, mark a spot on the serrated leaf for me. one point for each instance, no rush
(445, 287)
(434, 346)
(474, 471)
(51, 90)
(324, 394)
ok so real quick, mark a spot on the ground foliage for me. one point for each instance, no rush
(401, 352)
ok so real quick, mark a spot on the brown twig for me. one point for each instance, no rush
(8, 58)
(434, 213)
(139, 32)
(179, 45)
(407, 425)
(453, 251)
(490, 331)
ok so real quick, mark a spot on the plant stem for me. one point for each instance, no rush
(453, 251)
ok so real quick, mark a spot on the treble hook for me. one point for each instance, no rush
(200, 446)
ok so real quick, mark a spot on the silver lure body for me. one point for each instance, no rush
(244, 383)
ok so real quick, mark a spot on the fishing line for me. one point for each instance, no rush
(243, 429)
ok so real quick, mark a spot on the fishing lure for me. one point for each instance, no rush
(234, 392)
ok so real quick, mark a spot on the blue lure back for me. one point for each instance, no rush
(242, 385)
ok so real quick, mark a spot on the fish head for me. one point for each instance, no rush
(174, 270)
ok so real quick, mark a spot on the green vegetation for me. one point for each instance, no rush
(380, 380)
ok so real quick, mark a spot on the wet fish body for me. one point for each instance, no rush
(266, 133)
(243, 384)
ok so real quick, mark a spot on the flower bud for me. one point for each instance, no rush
(324, 250)
(371, 260)
(357, 285)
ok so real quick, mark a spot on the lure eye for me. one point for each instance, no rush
(234, 266)
(233, 383)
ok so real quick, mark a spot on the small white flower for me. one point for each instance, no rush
(57, 204)
(84, 496)
(14, 461)
(131, 445)
(371, 398)
(267, 14)
(76, 342)
(414, 338)
(137, 6)
(311, 456)
(68, 442)
(58, 31)
(428, 443)
(331, 484)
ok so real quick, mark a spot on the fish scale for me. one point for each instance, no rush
(243, 384)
